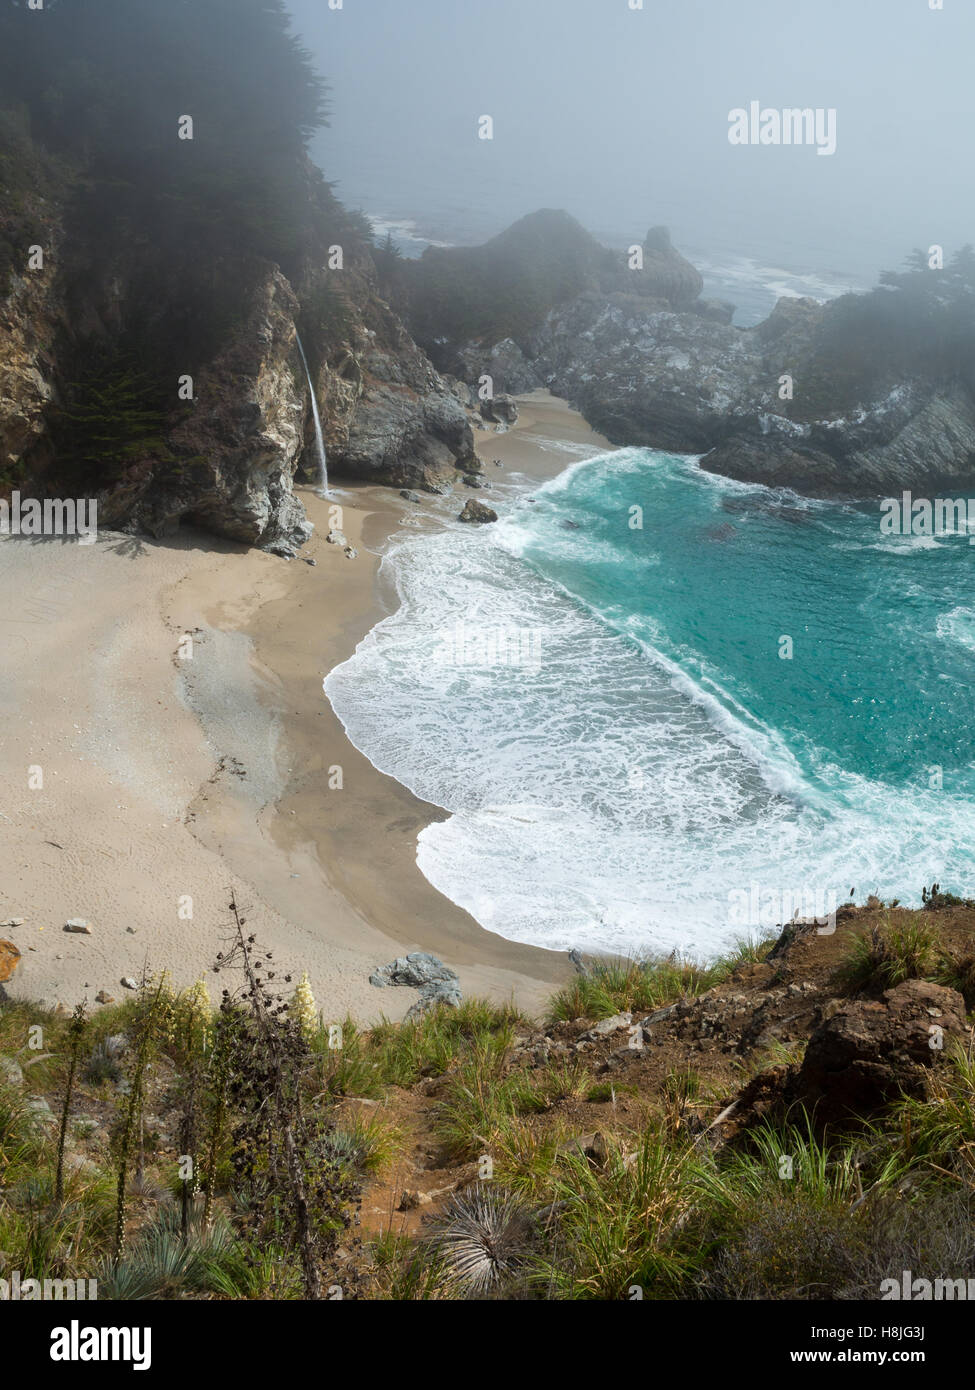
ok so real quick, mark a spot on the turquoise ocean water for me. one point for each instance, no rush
(606, 712)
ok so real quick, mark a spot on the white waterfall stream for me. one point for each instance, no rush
(319, 437)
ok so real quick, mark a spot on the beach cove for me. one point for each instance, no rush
(174, 771)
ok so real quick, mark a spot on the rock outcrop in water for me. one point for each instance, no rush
(683, 383)
(865, 395)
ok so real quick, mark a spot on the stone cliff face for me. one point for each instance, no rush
(236, 450)
(226, 459)
(28, 321)
(461, 301)
(388, 416)
(682, 380)
(645, 359)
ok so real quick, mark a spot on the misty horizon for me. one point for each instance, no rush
(621, 117)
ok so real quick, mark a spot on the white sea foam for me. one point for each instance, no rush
(606, 800)
(958, 626)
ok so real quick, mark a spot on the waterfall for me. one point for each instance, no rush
(319, 437)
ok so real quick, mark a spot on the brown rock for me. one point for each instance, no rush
(477, 512)
(592, 1146)
(411, 1200)
(870, 1052)
(9, 960)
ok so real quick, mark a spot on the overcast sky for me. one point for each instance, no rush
(621, 117)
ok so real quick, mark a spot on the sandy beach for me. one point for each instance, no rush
(145, 775)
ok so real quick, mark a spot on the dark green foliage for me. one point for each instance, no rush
(506, 287)
(29, 182)
(145, 1041)
(124, 71)
(113, 416)
(389, 268)
(325, 321)
(891, 952)
(934, 899)
(76, 1035)
(163, 238)
(920, 323)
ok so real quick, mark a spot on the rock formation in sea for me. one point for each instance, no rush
(864, 395)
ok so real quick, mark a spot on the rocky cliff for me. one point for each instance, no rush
(680, 382)
(155, 276)
(862, 396)
(225, 459)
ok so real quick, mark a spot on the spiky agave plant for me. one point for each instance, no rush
(484, 1240)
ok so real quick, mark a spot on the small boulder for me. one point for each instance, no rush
(409, 495)
(432, 996)
(501, 409)
(418, 969)
(9, 960)
(592, 1146)
(659, 1015)
(870, 1052)
(39, 1112)
(78, 925)
(335, 537)
(411, 1200)
(607, 1026)
(127, 982)
(78, 1163)
(476, 511)
(11, 1072)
